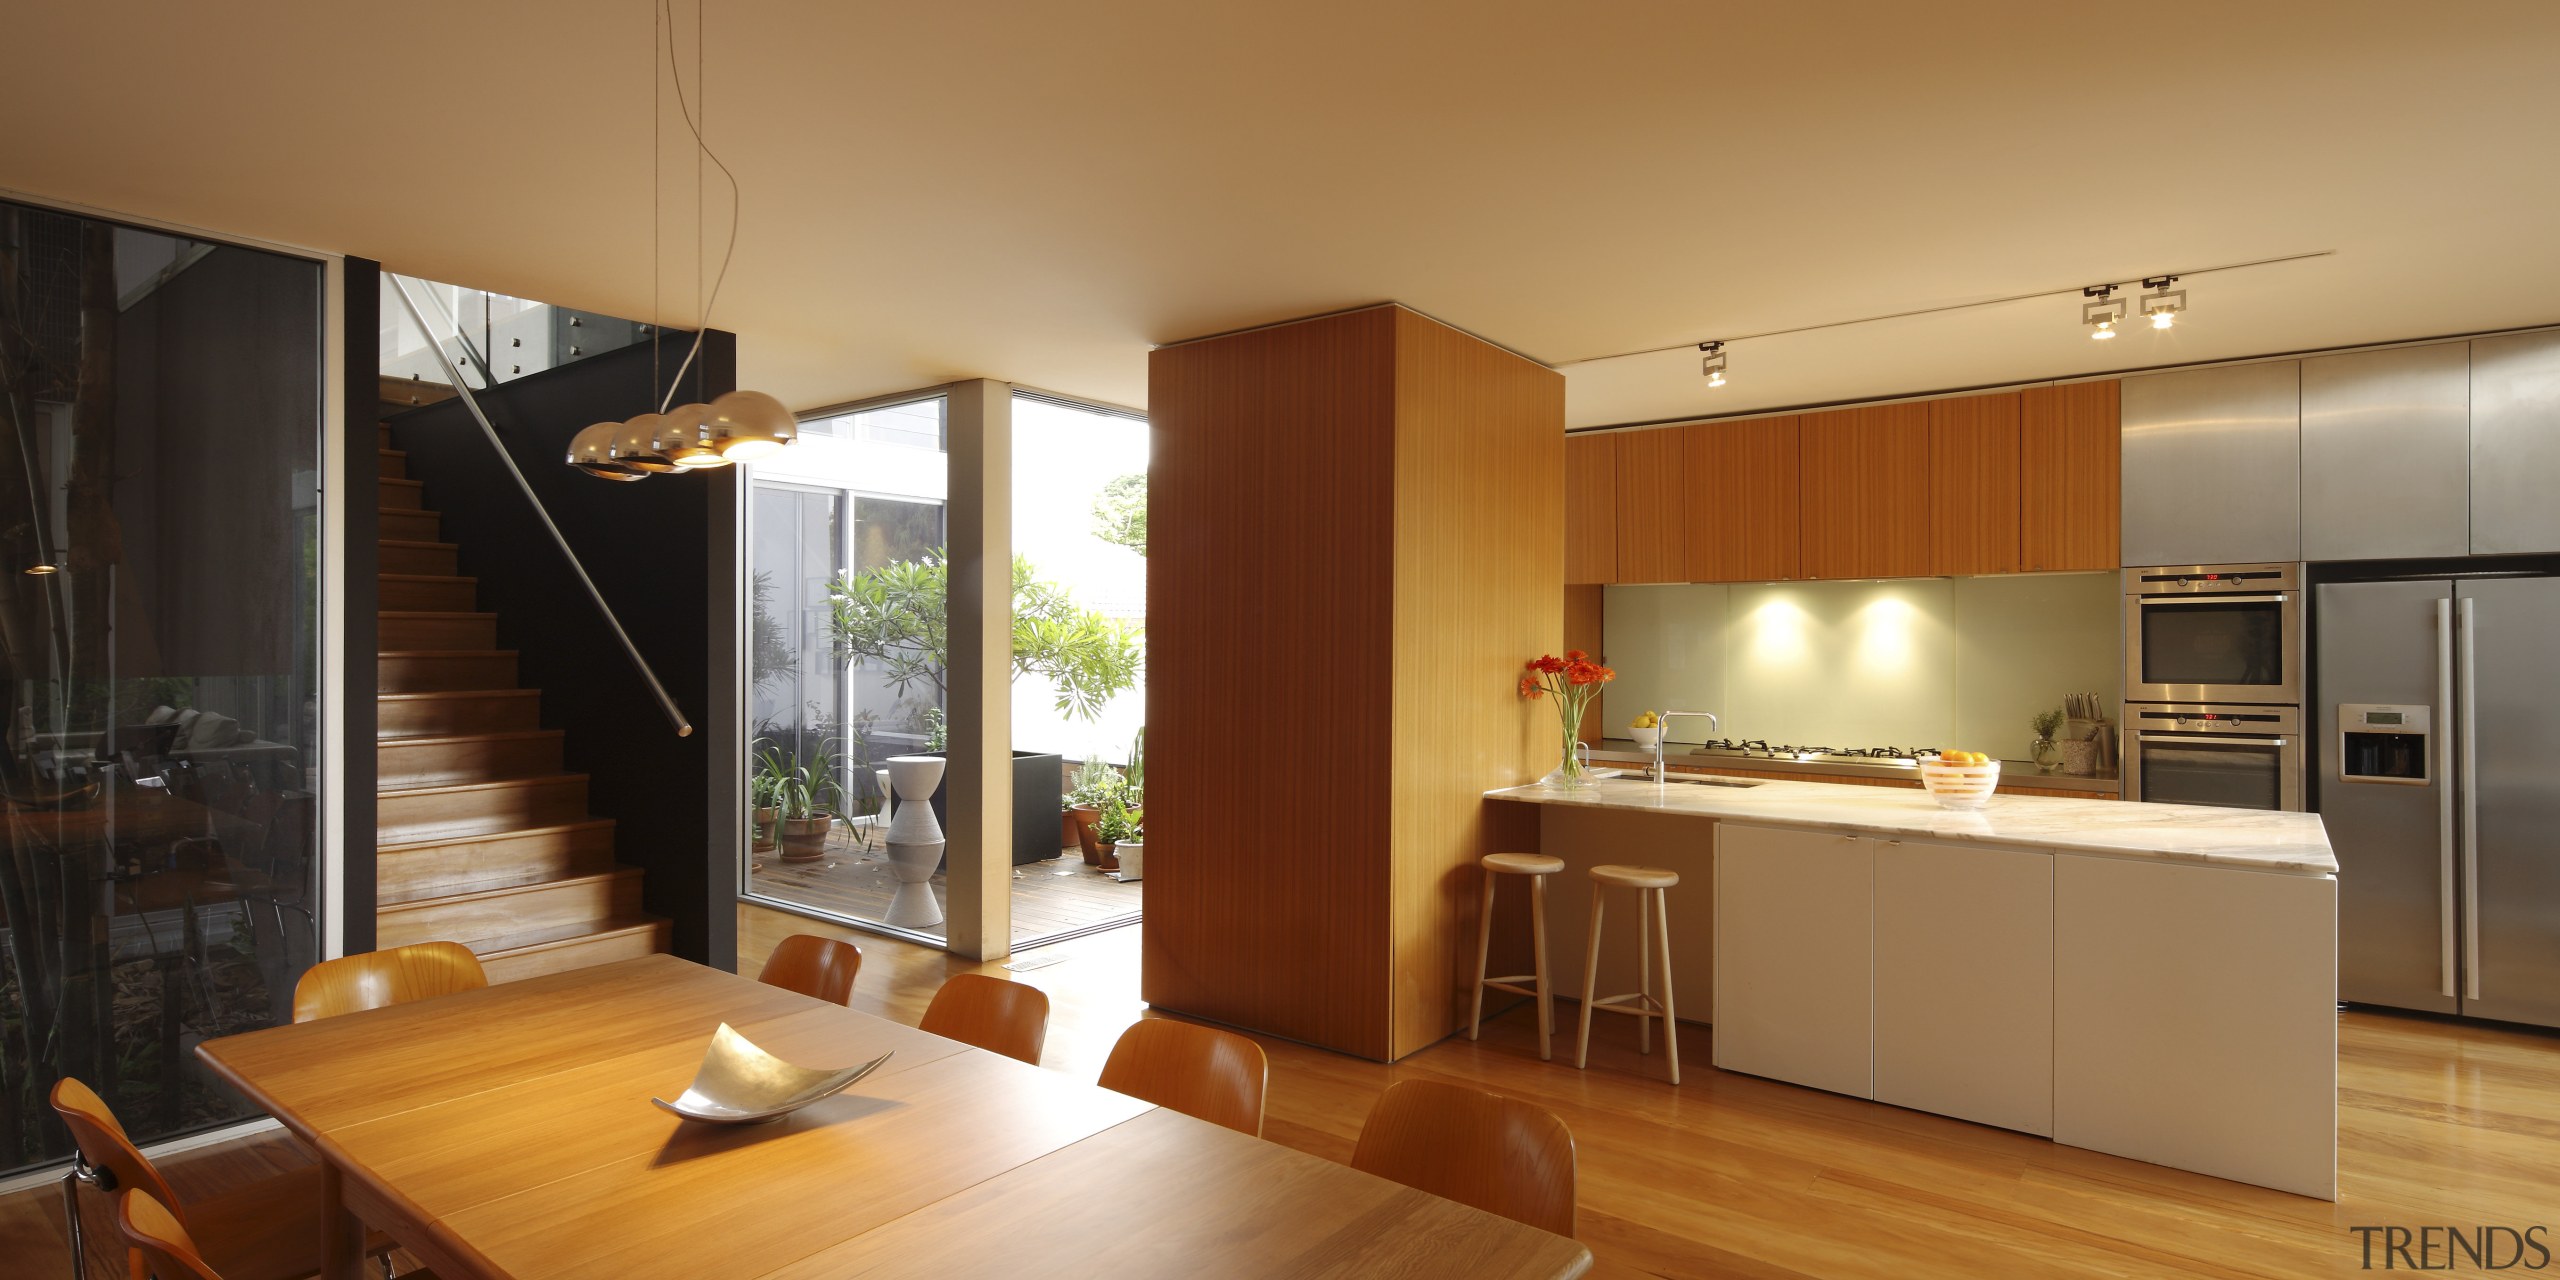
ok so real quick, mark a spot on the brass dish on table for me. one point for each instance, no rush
(739, 1083)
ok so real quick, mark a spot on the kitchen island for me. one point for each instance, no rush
(2152, 981)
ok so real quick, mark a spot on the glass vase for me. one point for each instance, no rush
(2046, 754)
(1573, 771)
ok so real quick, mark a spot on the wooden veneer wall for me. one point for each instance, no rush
(1360, 540)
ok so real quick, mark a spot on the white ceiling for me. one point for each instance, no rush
(1039, 192)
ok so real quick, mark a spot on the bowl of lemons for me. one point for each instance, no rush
(1646, 730)
(1960, 779)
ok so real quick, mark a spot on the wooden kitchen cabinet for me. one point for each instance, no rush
(1973, 484)
(1863, 482)
(1964, 982)
(1590, 509)
(1653, 541)
(2070, 487)
(1794, 956)
(1743, 512)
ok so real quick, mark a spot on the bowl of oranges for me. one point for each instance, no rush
(1960, 779)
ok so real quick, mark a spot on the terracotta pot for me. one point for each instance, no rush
(805, 839)
(1085, 816)
(761, 822)
(1067, 829)
(1109, 858)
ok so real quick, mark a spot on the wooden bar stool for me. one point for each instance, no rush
(1536, 866)
(1654, 937)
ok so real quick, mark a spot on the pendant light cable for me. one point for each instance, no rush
(702, 151)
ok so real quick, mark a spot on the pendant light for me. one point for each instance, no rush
(735, 427)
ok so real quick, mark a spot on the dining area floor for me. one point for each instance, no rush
(1728, 1175)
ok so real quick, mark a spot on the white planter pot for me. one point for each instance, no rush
(1133, 860)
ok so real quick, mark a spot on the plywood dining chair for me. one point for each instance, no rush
(822, 968)
(1202, 1072)
(995, 1015)
(270, 1227)
(1501, 1155)
(159, 1241)
(379, 979)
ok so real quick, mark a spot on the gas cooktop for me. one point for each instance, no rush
(1755, 749)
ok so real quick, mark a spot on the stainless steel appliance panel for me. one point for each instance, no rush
(2512, 850)
(2212, 465)
(2515, 443)
(2390, 642)
(2386, 453)
(2214, 633)
(2240, 757)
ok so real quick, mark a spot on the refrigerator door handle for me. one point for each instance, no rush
(2470, 711)
(2445, 924)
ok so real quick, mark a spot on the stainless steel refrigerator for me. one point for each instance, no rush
(2438, 706)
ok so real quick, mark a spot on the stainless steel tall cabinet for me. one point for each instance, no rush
(2212, 465)
(2515, 443)
(2449, 882)
(2386, 453)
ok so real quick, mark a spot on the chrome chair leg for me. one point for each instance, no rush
(71, 1221)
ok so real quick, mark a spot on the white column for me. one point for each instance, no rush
(980, 787)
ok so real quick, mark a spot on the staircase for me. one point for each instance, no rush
(481, 837)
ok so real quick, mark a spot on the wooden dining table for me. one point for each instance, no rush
(507, 1134)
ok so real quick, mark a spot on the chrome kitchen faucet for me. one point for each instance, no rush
(1662, 734)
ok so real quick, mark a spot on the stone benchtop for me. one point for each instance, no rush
(2248, 839)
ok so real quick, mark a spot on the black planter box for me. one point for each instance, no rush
(1038, 782)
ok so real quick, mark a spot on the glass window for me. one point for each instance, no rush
(159, 585)
(848, 628)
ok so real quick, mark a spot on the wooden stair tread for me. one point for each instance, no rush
(442, 653)
(422, 546)
(435, 613)
(423, 577)
(494, 784)
(543, 939)
(512, 890)
(419, 484)
(479, 735)
(491, 837)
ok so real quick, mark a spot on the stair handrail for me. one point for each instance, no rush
(684, 727)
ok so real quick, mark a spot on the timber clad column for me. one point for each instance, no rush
(1359, 539)
(978, 781)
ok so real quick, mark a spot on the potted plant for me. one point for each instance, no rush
(1130, 851)
(806, 800)
(1115, 825)
(1098, 786)
(764, 792)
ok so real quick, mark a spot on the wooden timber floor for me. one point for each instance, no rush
(1059, 896)
(2439, 1124)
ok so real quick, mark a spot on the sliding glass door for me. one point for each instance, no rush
(160, 420)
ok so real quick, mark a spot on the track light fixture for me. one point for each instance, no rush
(1711, 363)
(2162, 303)
(2102, 312)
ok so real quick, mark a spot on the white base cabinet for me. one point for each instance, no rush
(1964, 982)
(1794, 968)
(2195, 1019)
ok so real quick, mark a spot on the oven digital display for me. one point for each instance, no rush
(2385, 717)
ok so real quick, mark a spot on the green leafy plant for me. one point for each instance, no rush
(1098, 786)
(1120, 512)
(1137, 772)
(768, 644)
(894, 619)
(799, 791)
(1118, 823)
(2047, 722)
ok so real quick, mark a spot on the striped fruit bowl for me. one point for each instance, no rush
(1959, 786)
